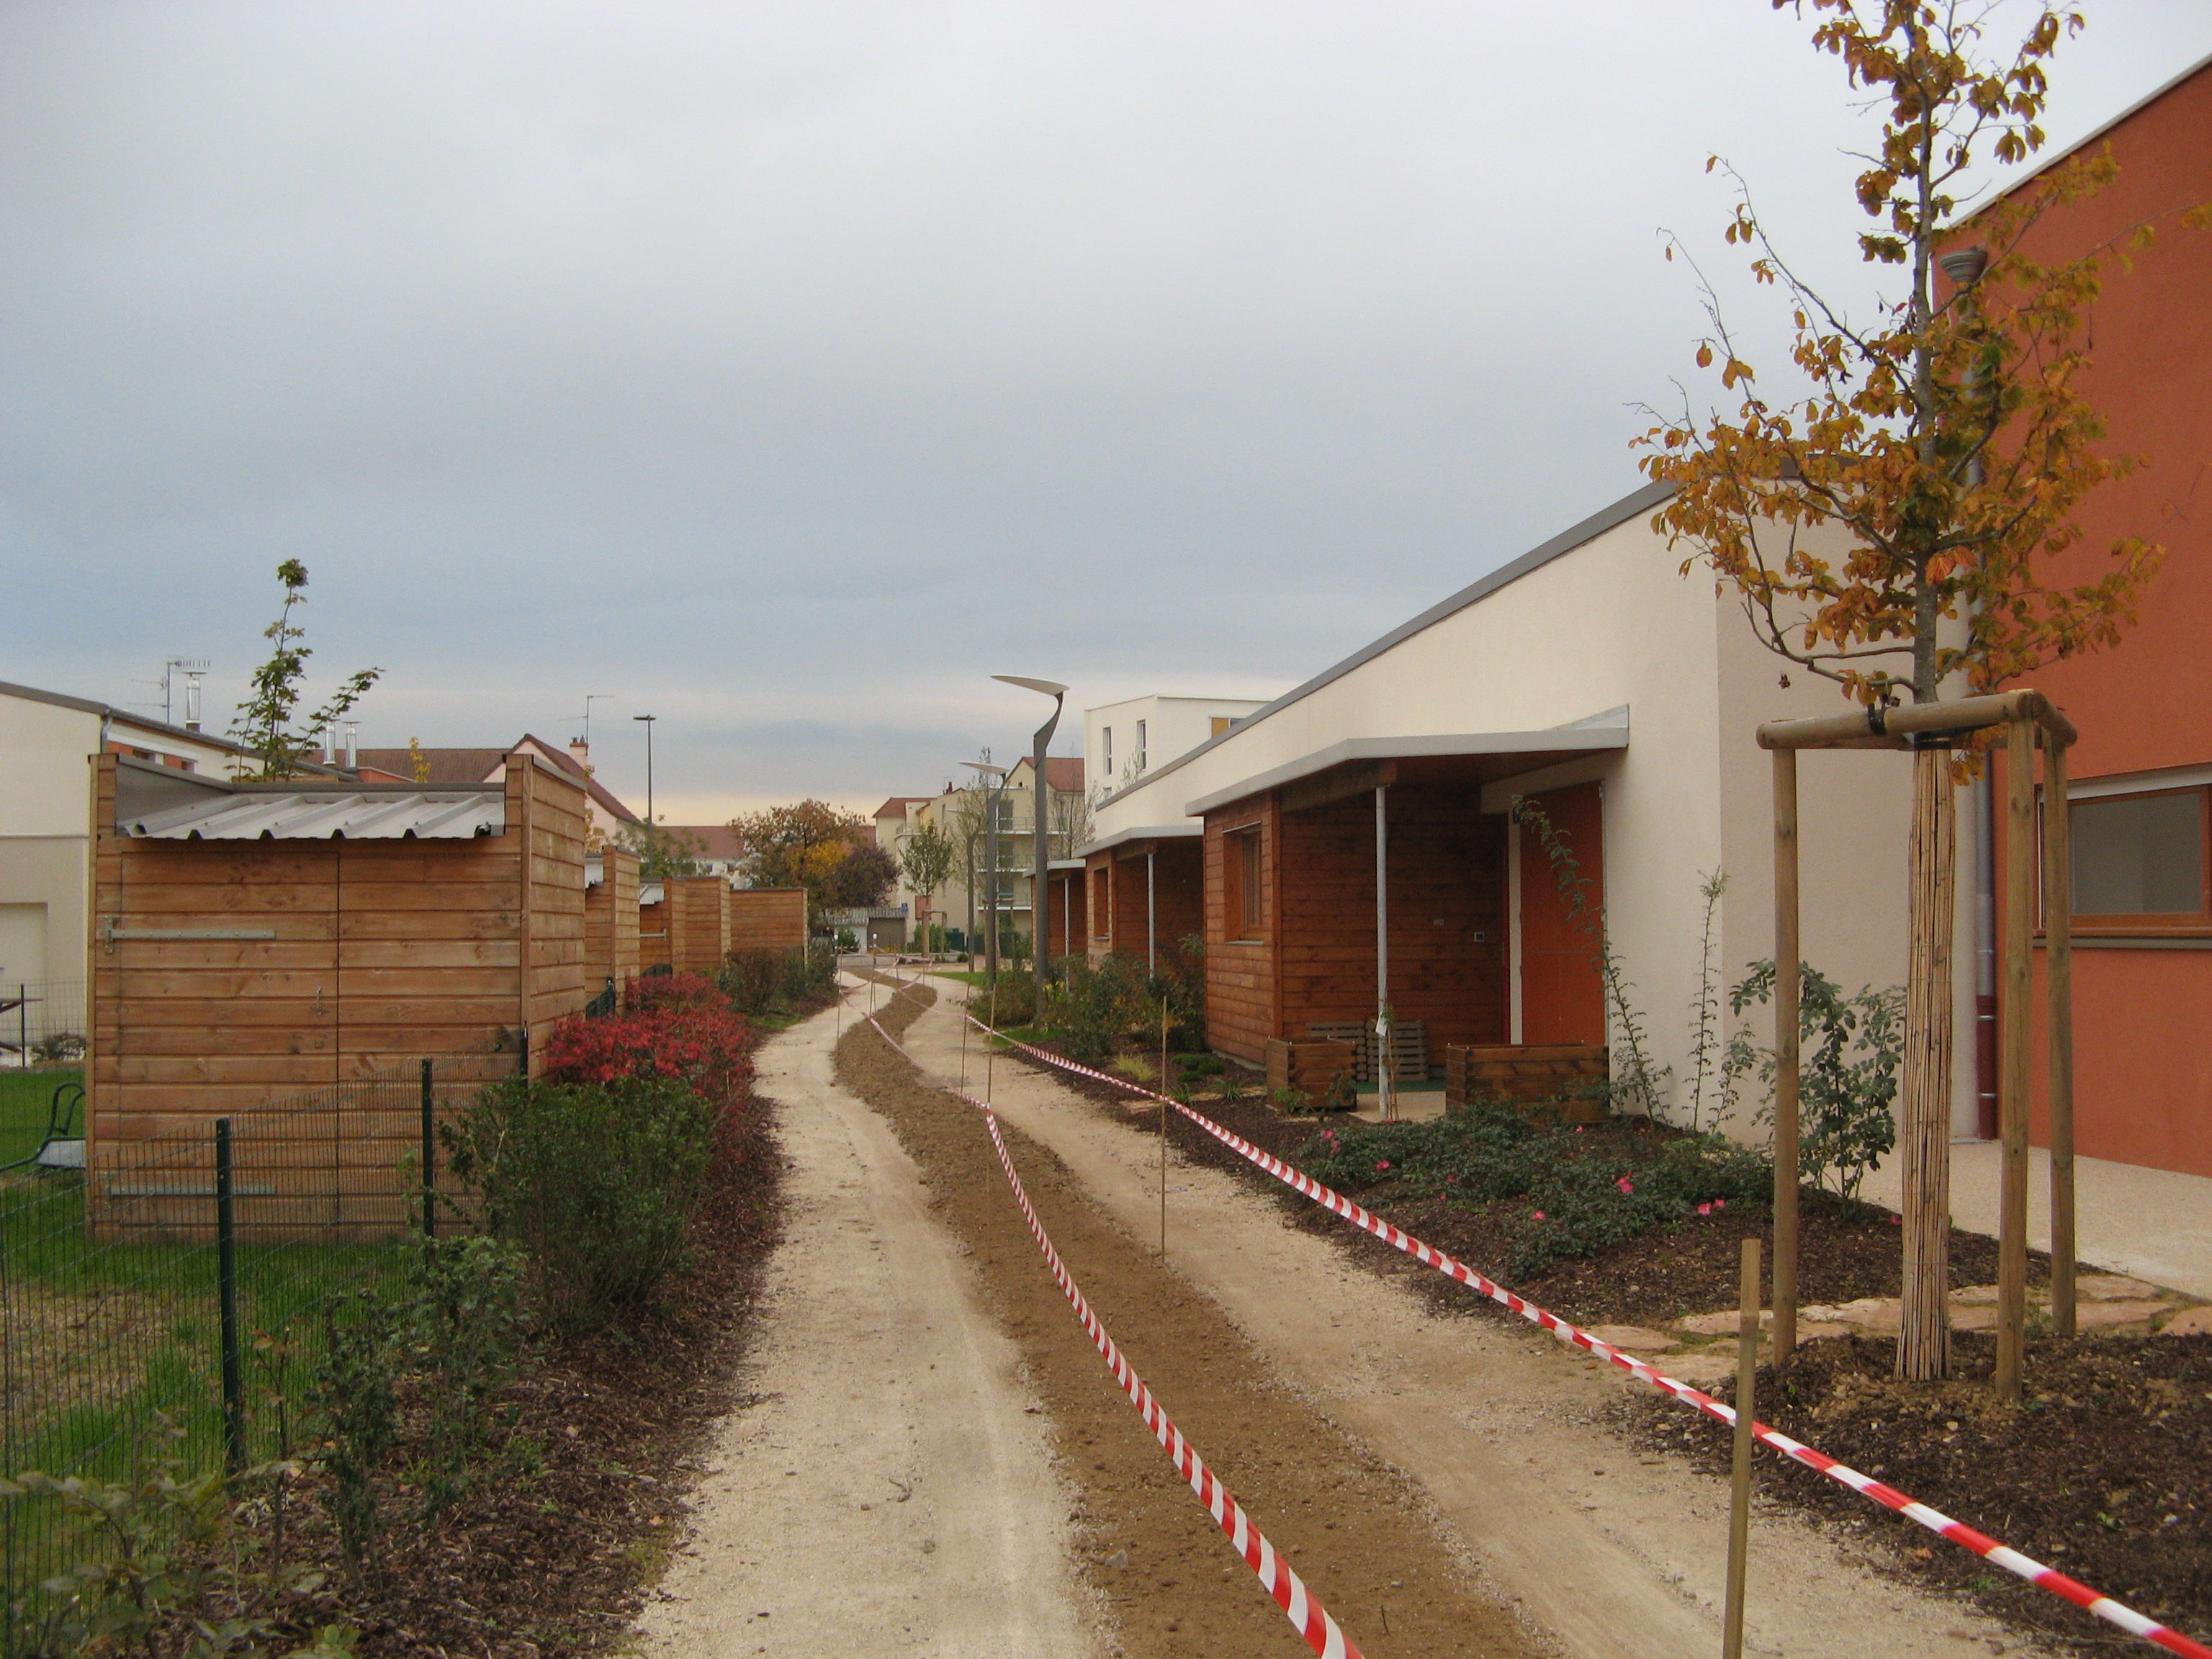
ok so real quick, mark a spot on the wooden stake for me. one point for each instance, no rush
(1163, 1126)
(2059, 1008)
(1923, 1337)
(1746, 1405)
(1787, 956)
(2015, 991)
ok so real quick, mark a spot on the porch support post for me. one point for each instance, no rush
(1151, 918)
(1384, 1094)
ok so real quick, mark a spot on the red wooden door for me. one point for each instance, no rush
(1562, 995)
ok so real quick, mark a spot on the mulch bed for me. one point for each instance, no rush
(2114, 1435)
(581, 1493)
(2105, 1473)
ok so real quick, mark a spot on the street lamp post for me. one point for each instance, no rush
(1040, 930)
(991, 799)
(647, 721)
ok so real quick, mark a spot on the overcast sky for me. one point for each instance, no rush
(783, 371)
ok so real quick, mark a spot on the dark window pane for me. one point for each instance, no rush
(2138, 855)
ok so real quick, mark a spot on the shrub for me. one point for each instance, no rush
(1136, 1069)
(1106, 1000)
(596, 1181)
(465, 1334)
(1582, 1193)
(1012, 1001)
(680, 1027)
(1291, 1103)
(1847, 1073)
(754, 981)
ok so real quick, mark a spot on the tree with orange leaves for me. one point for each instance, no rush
(1896, 527)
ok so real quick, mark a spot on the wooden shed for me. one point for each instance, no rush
(611, 921)
(255, 944)
(767, 918)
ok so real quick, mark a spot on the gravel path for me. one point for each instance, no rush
(889, 1488)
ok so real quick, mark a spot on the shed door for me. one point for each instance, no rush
(1562, 995)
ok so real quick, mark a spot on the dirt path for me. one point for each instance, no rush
(1506, 1432)
(889, 1488)
(1362, 1536)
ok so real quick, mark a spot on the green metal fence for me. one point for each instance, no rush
(171, 1298)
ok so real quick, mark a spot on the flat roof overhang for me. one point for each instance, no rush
(1141, 832)
(1470, 757)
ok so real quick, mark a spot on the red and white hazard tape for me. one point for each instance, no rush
(1299, 1604)
(2071, 1589)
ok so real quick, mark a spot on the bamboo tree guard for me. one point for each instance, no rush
(1930, 730)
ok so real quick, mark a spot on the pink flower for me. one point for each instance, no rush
(1625, 1184)
(1539, 1216)
(1705, 1209)
(1720, 1204)
(1382, 1165)
(1897, 1221)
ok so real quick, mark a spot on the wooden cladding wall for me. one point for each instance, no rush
(767, 918)
(1243, 1007)
(385, 953)
(698, 908)
(554, 816)
(611, 924)
(652, 934)
(1098, 889)
(1065, 900)
(1447, 885)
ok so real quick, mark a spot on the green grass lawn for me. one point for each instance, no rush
(25, 1099)
(962, 974)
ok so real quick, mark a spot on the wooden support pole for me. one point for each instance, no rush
(2059, 1010)
(1923, 1336)
(1163, 1126)
(1747, 1412)
(1385, 1093)
(1787, 957)
(2016, 992)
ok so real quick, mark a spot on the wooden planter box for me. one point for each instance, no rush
(1310, 1067)
(1530, 1074)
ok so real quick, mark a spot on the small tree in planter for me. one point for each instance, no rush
(1947, 442)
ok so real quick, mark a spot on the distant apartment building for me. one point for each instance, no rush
(1123, 741)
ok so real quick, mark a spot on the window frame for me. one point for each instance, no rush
(1250, 922)
(2166, 924)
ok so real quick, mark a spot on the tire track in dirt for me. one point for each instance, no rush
(1361, 1535)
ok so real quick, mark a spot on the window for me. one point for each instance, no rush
(2140, 858)
(1220, 723)
(1140, 746)
(1106, 766)
(1244, 850)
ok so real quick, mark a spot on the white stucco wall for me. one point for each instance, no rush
(1613, 625)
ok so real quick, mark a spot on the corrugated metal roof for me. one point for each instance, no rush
(428, 815)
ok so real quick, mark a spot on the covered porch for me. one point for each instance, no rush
(1145, 888)
(1387, 874)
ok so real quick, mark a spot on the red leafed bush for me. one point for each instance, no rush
(687, 1032)
(663, 992)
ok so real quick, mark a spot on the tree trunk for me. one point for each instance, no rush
(1923, 1337)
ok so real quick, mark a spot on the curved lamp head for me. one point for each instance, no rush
(1048, 688)
(986, 769)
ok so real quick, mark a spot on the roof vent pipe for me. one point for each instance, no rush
(352, 746)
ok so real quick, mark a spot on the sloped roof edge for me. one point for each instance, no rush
(1574, 536)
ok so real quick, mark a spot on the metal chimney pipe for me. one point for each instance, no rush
(352, 746)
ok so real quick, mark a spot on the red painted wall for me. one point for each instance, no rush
(2143, 1080)
(1562, 998)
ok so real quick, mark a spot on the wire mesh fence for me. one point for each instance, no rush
(41, 1021)
(170, 1298)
